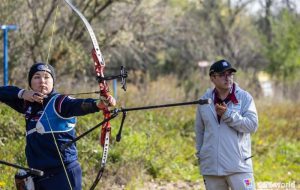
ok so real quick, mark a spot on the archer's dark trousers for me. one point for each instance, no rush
(56, 178)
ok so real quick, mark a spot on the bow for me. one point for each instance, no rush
(99, 65)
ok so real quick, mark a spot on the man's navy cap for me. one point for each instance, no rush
(220, 66)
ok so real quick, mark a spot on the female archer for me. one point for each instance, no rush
(50, 121)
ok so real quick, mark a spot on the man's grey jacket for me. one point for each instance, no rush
(225, 148)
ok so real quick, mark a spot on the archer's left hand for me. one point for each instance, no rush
(106, 101)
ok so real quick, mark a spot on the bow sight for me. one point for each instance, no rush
(122, 76)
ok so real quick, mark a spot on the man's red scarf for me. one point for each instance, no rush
(231, 97)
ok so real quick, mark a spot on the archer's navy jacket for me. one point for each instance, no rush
(41, 151)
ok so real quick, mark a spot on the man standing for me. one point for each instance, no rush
(223, 132)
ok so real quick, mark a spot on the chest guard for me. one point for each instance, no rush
(51, 122)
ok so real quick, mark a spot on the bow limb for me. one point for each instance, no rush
(98, 53)
(99, 70)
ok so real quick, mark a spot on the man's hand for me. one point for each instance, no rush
(109, 101)
(221, 108)
(33, 96)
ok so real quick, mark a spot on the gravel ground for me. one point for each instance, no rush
(166, 186)
(173, 186)
(200, 186)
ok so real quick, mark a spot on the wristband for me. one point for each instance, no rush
(21, 93)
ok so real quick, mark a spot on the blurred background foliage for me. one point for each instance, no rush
(167, 47)
(158, 37)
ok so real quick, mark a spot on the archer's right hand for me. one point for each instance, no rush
(33, 96)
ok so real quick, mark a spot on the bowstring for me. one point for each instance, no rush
(52, 132)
